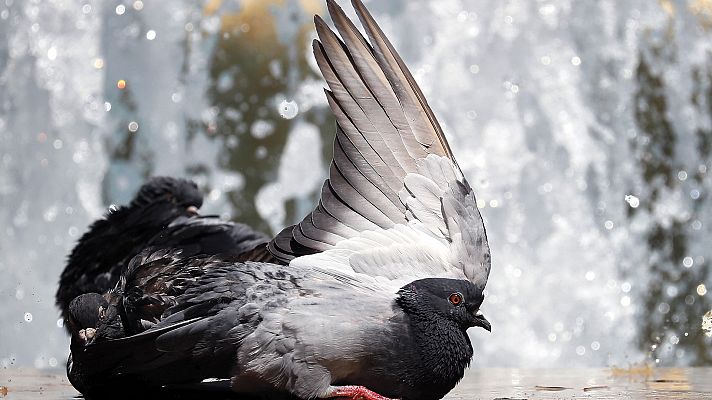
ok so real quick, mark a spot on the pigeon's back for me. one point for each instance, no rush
(209, 235)
(270, 320)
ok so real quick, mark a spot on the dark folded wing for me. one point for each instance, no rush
(207, 235)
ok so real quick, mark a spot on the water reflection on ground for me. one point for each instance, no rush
(488, 383)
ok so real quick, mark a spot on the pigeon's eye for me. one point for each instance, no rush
(456, 299)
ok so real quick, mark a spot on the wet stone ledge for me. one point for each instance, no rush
(485, 383)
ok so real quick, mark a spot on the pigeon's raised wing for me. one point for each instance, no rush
(396, 204)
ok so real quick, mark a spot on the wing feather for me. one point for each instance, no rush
(396, 203)
(421, 118)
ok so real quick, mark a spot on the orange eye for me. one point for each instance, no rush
(456, 299)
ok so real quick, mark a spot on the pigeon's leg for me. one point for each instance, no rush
(355, 393)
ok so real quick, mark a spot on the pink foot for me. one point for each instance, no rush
(356, 393)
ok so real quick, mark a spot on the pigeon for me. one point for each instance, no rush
(83, 315)
(310, 332)
(95, 263)
(369, 296)
(162, 214)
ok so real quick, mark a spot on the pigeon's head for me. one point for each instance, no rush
(110, 325)
(183, 194)
(456, 300)
(83, 316)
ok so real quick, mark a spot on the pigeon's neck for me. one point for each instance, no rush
(445, 347)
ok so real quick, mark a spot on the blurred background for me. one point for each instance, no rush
(584, 126)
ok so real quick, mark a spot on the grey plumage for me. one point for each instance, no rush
(392, 167)
(305, 331)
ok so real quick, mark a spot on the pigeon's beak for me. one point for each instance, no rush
(192, 210)
(482, 322)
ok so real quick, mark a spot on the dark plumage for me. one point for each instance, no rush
(196, 235)
(163, 214)
(83, 316)
(82, 319)
(95, 263)
(270, 328)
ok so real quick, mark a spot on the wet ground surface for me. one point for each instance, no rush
(639, 383)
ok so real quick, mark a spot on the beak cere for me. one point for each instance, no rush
(192, 210)
(482, 322)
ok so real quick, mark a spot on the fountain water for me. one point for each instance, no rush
(585, 128)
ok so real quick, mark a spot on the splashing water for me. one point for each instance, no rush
(556, 111)
(632, 201)
(707, 323)
(288, 109)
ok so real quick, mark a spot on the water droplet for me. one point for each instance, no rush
(120, 9)
(632, 201)
(260, 129)
(671, 291)
(580, 350)
(664, 308)
(625, 301)
(28, 317)
(687, 262)
(701, 289)
(60, 323)
(151, 34)
(133, 126)
(138, 5)
(288, 109)
(707, 323)
(576, 61)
